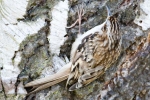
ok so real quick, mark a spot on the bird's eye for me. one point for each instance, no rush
(104, 28)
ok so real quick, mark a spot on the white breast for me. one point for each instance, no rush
(80, 37)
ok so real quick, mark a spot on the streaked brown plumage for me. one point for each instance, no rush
(91, 55)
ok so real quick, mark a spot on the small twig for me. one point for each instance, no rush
(73, 24)
(81, 12)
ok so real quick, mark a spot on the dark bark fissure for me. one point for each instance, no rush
(3, 89)
(27, 61)
(43, 33)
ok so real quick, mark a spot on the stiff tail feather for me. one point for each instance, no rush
(50, 80)
(46, 85)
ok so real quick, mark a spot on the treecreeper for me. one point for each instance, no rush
(91, 55)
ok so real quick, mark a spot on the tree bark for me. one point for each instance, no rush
(35, 43)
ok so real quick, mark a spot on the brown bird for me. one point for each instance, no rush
(91, 55)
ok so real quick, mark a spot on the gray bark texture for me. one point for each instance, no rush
(127, 79)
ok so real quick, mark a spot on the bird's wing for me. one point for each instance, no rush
(86, 63)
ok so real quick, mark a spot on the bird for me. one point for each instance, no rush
(92, 54)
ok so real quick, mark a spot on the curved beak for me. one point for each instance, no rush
(108, 12)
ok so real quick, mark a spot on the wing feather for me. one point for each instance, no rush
(84, 68)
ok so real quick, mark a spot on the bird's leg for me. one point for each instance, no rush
(80, 14)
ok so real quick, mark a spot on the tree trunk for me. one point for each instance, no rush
(35, 43)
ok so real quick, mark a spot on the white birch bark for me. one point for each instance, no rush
(13, 32)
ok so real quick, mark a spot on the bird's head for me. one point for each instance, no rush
(111, 24)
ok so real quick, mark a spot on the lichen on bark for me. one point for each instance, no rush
(128, 78)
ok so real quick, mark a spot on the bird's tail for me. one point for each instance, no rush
(46, 82)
